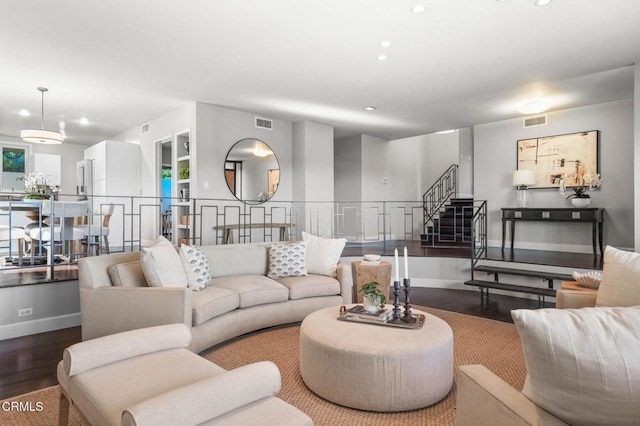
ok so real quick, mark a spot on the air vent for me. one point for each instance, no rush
(540, 120)
(145, 128)
(263, 123)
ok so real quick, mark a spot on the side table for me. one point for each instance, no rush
(366, 273)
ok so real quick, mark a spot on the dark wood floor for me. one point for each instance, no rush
(29, 363)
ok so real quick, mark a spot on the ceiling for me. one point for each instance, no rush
(122, 63)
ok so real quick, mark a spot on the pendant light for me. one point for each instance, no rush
(42, 136)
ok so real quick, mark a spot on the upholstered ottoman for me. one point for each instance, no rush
(373, 367)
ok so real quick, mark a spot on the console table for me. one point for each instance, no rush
(595, 216)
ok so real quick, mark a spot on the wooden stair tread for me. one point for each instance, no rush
(512, 287)
(545, 275)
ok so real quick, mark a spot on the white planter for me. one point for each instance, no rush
(369, 306)
(580, 202)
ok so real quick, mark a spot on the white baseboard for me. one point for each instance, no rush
(41, 325)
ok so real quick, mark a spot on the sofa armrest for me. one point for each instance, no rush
(95, 353)
(346, 282)
(573, 299)
(209, 398)
(110, 310)
(483, 398)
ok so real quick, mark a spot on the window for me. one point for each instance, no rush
(14, 167)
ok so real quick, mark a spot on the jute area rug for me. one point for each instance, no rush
(493, 344)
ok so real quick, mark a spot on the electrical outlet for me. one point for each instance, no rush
(26, 312)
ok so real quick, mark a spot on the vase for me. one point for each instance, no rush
(369, 306)
(580, 202)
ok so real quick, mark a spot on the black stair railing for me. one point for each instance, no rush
(478, 234)
(439, 193)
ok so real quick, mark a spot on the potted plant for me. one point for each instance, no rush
(373, 298)
(583, 182)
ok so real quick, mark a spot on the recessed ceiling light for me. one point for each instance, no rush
(535, 107)
(369, 108)
(385, 43)
(84, 121)
(542, 2)
(382, 57)
(24, 113)
(444, 132)
(419, 8)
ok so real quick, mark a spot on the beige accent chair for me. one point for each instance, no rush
(483, 398)
(149, 377)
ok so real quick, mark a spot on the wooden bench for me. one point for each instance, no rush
(546, 276)
(541, 292)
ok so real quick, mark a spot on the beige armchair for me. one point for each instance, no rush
(149, 377)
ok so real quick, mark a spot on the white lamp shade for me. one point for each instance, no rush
(42, 136)
(524, 177)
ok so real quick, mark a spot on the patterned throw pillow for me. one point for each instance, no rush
(287, 260)
(196, 266)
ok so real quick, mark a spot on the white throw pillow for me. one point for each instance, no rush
(583, 365)
(323, 254)
(196, 267)
(620, 285)
(287, 260)
(162, 266)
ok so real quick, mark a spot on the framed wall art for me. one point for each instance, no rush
(556, 157)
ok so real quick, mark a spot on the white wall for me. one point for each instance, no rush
(495, 161)
(636, 158)
(314, 161)
(218, 129)
(161, 128)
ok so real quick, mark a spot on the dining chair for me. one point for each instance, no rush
(93, 234)
(62, 232)
(12, 233)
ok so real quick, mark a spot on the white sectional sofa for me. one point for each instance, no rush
(115, 296)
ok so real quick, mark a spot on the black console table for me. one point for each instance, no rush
(595, 216)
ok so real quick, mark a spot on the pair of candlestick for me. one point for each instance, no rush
(397, 316)
(406, 264)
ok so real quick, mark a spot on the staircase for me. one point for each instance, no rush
(451, 225)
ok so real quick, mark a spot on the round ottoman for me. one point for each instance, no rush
(373, 367)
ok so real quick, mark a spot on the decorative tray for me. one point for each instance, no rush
(384, 317)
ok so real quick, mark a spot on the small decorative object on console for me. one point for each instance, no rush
(589, 279)
(584, 182)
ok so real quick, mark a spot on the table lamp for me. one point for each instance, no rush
(521, 179)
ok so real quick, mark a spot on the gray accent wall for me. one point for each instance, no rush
(347, 168)
(495, 161)
(55, 305)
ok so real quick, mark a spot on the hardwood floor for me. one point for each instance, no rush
(29, 363)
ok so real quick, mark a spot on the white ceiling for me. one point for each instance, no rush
(122, 63)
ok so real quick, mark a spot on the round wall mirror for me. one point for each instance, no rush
(252, 171)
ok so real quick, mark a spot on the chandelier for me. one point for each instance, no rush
(41, 135)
